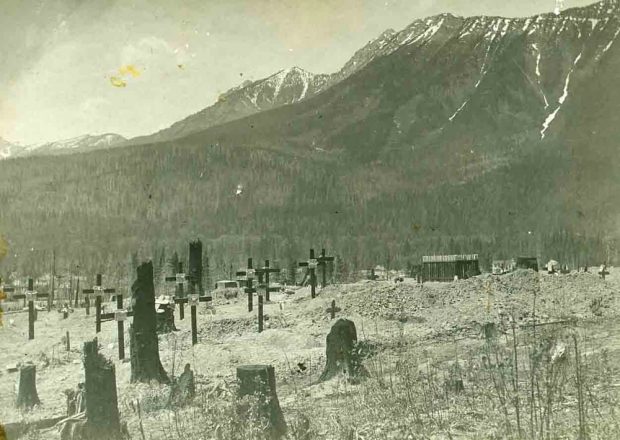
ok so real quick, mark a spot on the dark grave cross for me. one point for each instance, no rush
(98, 291)
(322, 261)
(249, 274)
(260, 313)
(265, 271)
(333, 309)
(119, 315)
(192, 300)
(31, 296)
(179, 297)
(311, 264)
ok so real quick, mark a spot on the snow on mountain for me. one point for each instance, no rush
(73, 145)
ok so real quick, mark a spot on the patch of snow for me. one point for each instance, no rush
(612, 41)
(527, 24)
(561, 100)
(451, 118)
(428, 33)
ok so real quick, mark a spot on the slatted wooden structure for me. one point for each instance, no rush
(527, 263)
(445, 267)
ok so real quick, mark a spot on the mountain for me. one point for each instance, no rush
(74, 145)
(284, 87)
(288, 86)
(8, 149)
(456, 135)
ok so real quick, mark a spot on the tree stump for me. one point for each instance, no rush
(342, 357)
(27, 395)
(183, 389)
(103, 420)
(165, 319)
(260, 381)
(144, 344)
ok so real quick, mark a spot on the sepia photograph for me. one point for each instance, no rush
(309, 219)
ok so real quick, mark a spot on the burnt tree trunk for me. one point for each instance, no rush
(144, 344)
(102, 417)
(260, 381)
(342, 357)
(195, 267)
(27, 396)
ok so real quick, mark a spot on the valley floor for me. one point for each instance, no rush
(416, 341)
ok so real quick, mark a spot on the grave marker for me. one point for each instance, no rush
(248, 273)
(323, 260)
(192, 300)
(333, 309)
(98, 291)
(179, 279)
(120, 315)
(31, 296)
(260, 313)
(311, 264)
(265, 271)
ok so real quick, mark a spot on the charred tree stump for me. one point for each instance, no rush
(144, 344)
(165, 319)
(102, 417)
(195, 268)
(341, 354)
(260, 381)
(27, 395)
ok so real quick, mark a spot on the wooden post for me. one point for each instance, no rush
(30, 296)
(193, 304)
(266, 271)
(179, 296)
(98, 291)
(333, 309)
(119, 315)
(68, 341)
(249, 276)
(323, 260)
(260, 313)
(311, 264)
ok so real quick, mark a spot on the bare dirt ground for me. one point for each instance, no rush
(439, 324)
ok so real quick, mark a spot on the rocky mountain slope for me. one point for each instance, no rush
(74, 145)
(501, 133)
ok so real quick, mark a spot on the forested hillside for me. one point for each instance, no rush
(479, 135)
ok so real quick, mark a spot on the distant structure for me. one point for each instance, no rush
(527, 263)
(446, 267)
(559, 7)
(500, 267)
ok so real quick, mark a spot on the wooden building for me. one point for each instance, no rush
(446, 267)
(527, 263)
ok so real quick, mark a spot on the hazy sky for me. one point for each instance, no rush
(60, 58)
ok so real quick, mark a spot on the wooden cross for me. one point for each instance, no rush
(31, 296)
(119, 315)
(179, 279)
(333, 309)
(323, 260)
(260, 313)
(265, 271)
(248, 273)
(192, 300)
(311, 264)
(98, 291)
